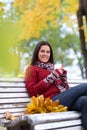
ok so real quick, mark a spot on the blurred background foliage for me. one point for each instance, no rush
(23, 24)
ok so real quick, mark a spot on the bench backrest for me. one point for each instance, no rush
(14, 97)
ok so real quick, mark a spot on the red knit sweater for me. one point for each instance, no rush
(36, 86)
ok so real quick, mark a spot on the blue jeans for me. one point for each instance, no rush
(75, 98)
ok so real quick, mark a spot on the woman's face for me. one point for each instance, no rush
(44, 53)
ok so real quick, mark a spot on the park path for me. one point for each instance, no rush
(2, 128)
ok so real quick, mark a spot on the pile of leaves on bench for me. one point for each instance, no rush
(40, 104)
(44, 105)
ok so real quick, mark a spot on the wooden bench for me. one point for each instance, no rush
(14, 98)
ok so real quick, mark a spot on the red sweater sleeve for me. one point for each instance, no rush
(34, 87)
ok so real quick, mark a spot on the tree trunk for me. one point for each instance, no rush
(80, 13)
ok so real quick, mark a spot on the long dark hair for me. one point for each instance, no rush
(36, 50)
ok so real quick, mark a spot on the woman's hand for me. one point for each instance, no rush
(61, 70)
(52, 77)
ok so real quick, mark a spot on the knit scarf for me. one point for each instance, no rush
(49, 66)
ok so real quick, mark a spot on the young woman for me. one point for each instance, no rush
(42, 78)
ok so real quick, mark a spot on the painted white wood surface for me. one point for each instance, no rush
(14, 98)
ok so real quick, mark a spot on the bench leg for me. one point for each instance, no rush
(27, 127)
(14, 128)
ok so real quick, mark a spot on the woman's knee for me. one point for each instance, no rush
(83, 100)
(80, 103)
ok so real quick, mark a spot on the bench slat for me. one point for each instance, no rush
(17, 89)
(73, 85)
(12, 84)
(54, 125)
(14, 110)
(71, 128)
(9, 84)
(73, 81)
(17, 114)
(13, 79)
(16, 105)
(12, 90)
(58, 116)
(21, 79)
(10, 95)
(15, 100)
